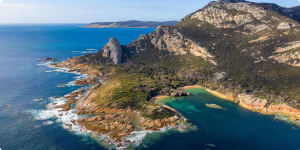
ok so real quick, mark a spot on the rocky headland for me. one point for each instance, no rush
(115, 123)
(241, 51)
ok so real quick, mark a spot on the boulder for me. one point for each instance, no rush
(95, 118)
(284, 26)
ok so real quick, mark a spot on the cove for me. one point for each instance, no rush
(230, 128)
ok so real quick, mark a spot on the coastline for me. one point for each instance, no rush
(80, 104)
(70, 117)
(249, 102)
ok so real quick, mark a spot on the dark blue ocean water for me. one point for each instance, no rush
(22, 80)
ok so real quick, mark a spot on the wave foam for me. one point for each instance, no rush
(137, 137)
(43, 114)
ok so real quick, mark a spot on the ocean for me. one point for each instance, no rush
(27, 125)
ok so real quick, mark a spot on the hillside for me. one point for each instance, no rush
(130, 24)
(230, 47)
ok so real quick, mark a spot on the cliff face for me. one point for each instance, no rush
(113, 50)
(168, 39)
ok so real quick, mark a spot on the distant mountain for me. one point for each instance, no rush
(293, 12)
(130, 24)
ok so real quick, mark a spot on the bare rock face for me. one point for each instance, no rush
(251, 102)
(113, 50)
(222, 14)
(284, 26)
(173, 41)
(288, 54)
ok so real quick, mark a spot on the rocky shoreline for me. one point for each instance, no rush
(253, 103)
(116, 124)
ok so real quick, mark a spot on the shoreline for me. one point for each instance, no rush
(255, 104)
(75, 123)
(133, 136)
(274, 109)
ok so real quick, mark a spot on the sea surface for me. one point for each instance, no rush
(26, 125)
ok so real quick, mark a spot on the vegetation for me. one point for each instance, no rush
(267, 79)
(150, 72)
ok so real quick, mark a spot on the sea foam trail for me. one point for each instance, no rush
(87, 51)
(67, 118)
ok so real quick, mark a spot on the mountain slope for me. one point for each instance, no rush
(257, 48)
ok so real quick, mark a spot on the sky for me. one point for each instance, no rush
(86, 11)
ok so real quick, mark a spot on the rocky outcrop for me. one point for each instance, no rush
(113, 50)
(288, 54)
(157, 124)
(284, 26)
(47, 59)
(223, 15)
(257, 104)
(256, 28)
(163, 38)
(115, 125)
(290, 58)
(251, 102)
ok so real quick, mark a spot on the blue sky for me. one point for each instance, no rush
(85, 11)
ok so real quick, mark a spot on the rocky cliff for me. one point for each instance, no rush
(113, 50)
(165, 38)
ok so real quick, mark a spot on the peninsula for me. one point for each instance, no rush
(242, 51)
(130, 24)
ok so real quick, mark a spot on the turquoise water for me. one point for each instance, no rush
(22, 80)
(231, 129)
